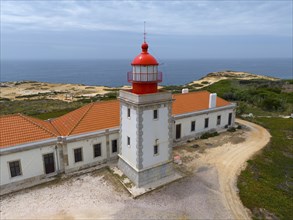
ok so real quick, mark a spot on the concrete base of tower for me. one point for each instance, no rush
(146, 176)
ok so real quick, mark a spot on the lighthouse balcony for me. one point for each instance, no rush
(144, 77)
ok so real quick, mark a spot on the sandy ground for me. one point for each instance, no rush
(66, 92)
(208, 192)
(229, 160)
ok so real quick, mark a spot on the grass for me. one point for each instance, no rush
(267, 182)
(40, 108)
(54, 114)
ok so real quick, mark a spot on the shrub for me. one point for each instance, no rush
(241, 108)
(197, 85)
(231, 129)
(209, 134)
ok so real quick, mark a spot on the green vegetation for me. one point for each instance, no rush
(178, 89)
(40, 108)
(231, 129)
(208, 135)
(256, 95)
(54, 114)
(267, 182)
(39, 95)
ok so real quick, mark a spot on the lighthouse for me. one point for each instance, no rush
(145, 151)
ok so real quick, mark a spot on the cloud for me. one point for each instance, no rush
(162, 17)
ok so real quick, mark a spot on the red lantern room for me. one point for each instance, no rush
(144, 76)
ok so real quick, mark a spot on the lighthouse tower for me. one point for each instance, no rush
(145, 152)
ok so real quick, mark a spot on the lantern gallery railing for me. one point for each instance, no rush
(144, 77)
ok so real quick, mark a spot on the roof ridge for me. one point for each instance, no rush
(40, 126)
(55, 129)
(90, 106)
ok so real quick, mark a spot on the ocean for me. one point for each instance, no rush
(114, 72)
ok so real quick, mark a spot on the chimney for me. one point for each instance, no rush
(185, 90)
(213, 100)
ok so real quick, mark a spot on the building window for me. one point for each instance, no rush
(219, 120)
(192, 126)
(156, 150)
(97, 150)
(77, 155)
(206, 123)
(156, 114)
(15, 168)
(114, 146)
(128, 112)
(128, 141)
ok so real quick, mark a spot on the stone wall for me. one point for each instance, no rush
(143, 177)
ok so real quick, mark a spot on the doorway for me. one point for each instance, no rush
(230, 119)
(49, 163)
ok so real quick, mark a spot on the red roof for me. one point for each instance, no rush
(92, 117)
(194, 101)
(20, 129)
(144, 58)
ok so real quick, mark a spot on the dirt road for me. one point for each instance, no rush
(229, 160)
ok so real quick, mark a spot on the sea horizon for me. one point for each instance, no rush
(113, 72)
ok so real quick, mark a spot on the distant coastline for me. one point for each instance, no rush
(23, 90)
(112, 73)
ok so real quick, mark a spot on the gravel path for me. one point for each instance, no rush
(209, 194)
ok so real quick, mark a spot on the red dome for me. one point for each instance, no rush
(144, 58)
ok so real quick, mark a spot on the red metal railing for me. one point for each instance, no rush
(144, 77)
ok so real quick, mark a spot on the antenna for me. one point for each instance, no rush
(144, 33)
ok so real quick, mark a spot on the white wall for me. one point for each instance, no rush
(155, 129)
(200, 122)
(31, 162)
(128, 128)
(88, 150)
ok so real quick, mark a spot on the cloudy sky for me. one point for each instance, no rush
(39, 29)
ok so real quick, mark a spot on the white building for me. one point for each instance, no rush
(140, 128)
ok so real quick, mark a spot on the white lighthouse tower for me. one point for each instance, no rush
(145, 153)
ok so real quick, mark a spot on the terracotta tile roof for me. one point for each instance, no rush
(92, 117)
(20, 129)
(193, 101)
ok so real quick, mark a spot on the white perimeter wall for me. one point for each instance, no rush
(31, 162)
(155, 129)
(200, 121)
(128, 128)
